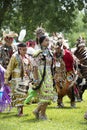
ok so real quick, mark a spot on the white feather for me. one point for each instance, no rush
(83, 82)
(22, 35)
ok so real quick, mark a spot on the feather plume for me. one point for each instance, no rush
(22, 35)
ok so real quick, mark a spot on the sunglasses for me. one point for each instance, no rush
(9, 38)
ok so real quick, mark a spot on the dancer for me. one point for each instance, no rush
(64, 76)
(7, 49)
(19, 69)
(5, 100)
(43, 78)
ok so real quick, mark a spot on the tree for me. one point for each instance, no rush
(5, 6)
(54, 15)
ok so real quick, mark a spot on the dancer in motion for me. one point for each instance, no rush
(43, 78)
(19, 69)
(5, 100)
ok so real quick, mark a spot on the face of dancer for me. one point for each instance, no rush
(8, 40)
(58, 50)
(22, 50)
(45, 42)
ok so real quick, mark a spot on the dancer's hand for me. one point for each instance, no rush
(36, 82)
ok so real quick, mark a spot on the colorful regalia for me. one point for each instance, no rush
(44, 63)
(64, 76)
(17, 68)
(5, 100)
(5, 55)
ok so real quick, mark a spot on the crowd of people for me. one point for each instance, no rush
(44, 68)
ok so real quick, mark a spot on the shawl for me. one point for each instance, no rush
(5, 99)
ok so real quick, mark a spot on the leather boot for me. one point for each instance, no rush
(85, 115)
(42, 114)
(37, 111)
(20, 110)
(59, 103)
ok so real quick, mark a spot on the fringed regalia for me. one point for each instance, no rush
(64, 80)
(43, 61)
(5, 100)
(19, 68)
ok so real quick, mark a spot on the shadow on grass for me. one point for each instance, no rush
(65, 107)
(34, 120)
(31, 120)
(6, 113)
(75, 101)
(84, 122)
(10, 115)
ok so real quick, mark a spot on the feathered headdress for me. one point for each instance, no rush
(39, 31)
(9, 34)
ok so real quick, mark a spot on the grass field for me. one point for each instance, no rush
(58, 119)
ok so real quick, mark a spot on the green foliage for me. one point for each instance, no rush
(57, 15)
(5, 6)
(77, 30)
(53, 15)
(85, 18)
(72, 37)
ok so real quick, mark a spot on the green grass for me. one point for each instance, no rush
(59, 119)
